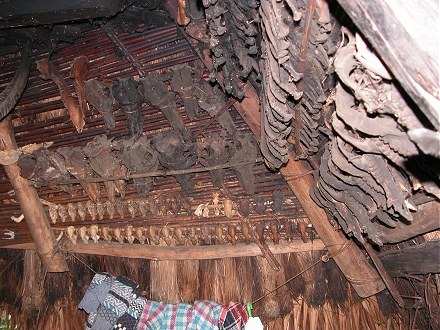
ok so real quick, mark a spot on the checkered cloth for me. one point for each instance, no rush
(203, 315)
(233, 317)
(119, 308)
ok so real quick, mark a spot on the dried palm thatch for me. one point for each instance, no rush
(365, 316)
(221, 280)
(291, 267)
(188, 278)
(315, 289)
(245, 275)
(164, 285)
(337, 286)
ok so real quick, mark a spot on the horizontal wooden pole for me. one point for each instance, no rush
(154, 252)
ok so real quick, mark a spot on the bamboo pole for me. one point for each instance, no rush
(31, 207)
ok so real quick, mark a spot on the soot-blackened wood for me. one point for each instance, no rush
(406, 38)
(31, 207)
(350, 259)
(419, 259)
(426, 219)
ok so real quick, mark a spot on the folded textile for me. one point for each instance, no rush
(159, 316)
(96, 293)
(205, 315)
(129, 320)
(122, 292)
(233, 317)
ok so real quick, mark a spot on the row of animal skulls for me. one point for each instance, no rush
(219, 234)
(157, 207)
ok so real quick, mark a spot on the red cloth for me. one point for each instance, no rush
(233, 317)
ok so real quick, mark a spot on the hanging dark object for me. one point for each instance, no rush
(214, 151)
(175, 154)
(104, 160)
(139, 157)
(244, 149)
(100, 96)
(154, 91)
(182, 82)
(125, 92)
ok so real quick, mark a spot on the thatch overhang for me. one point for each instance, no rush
(182, 243)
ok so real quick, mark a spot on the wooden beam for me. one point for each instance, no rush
(405, 35)
(418, 259)
(350, 259)
(30, 204)
(154, 252)
(425, 220)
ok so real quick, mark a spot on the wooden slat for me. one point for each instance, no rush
(419, 259)
(184, 252)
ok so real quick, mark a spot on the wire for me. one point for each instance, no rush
(90, 268)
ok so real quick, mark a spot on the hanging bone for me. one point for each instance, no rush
(50, 72)
(53, 213)
(62, 212)
(71, 210)
(125, 92)
(139, 234)
(83, 235)
(100, 96)
(129, 234)
(154, 91)
(175, 154)
(138, 156)
(118, 235)
(81, 208)
(71, 234)
(106, 235)
(93, 229)
(233, 29)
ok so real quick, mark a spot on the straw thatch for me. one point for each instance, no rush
(53, 305)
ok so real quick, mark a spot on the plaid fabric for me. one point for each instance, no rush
(203, 315)
(233, 317)
(152, 317)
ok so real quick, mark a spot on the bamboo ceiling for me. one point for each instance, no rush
(40, 116)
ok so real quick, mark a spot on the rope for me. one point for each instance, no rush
(90, 268)
(325, 258)
(4, 269)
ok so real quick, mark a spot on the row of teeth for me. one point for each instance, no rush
(156, 235)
